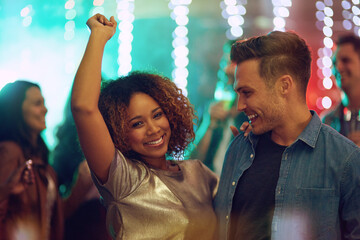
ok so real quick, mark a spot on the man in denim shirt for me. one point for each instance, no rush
(292, 177)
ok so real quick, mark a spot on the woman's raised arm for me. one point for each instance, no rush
(95, 139)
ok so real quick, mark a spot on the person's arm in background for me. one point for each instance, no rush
(216, 113)
(79, 191)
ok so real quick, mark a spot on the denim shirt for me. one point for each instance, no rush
(318, 191)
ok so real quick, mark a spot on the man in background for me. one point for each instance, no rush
(345, 118)
(214, 135)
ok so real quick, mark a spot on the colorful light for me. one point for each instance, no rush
(325, 23)
(356, 17)
(180, 11)
(70, 14)
(26, 13)
(125, 14)
(233, 11)
(69, 34)
(281, 12)
(326, 102)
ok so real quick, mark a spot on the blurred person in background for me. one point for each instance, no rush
(213, 135)
(30, 203)
(34, 211)
(345, 117)
(85, 219)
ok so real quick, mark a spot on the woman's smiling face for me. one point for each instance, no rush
(149, 129)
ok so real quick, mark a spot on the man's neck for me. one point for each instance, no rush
(285, 135)
(354, 104)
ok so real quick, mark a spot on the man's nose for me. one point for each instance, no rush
(339, 66)
(241, 105)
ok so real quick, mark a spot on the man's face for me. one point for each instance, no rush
(262, 104)
(348, 66)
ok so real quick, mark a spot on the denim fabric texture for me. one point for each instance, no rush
(318, 191)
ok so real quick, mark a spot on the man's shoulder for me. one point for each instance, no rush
(241, 147)
(332, 138)
(241, 140)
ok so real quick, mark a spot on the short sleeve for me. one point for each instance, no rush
(125, 176)
(212, 179)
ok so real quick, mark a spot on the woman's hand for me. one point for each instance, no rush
(18, 180)
(21, 177)
(101, 23)
(94, 136)
(245, 127)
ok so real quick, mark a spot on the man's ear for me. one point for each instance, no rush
(285, 84)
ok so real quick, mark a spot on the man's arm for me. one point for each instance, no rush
(350, 199)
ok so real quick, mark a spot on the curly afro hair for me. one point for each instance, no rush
(115, 98)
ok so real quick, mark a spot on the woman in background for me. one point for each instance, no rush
(33, 210)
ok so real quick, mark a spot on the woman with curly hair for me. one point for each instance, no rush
(132, 131)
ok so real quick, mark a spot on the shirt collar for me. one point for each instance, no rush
(311, 133)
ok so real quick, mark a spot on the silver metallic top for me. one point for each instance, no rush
(147, 203)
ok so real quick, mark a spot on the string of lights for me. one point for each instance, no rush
(351, 14)
(180, 11)
(125, 14)
(346, 13)
(69, 35)
(233, 11)
(325, 23)
(281, 12)
(98, 7)
(70, 14)
(356, 19)
(26, 14)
